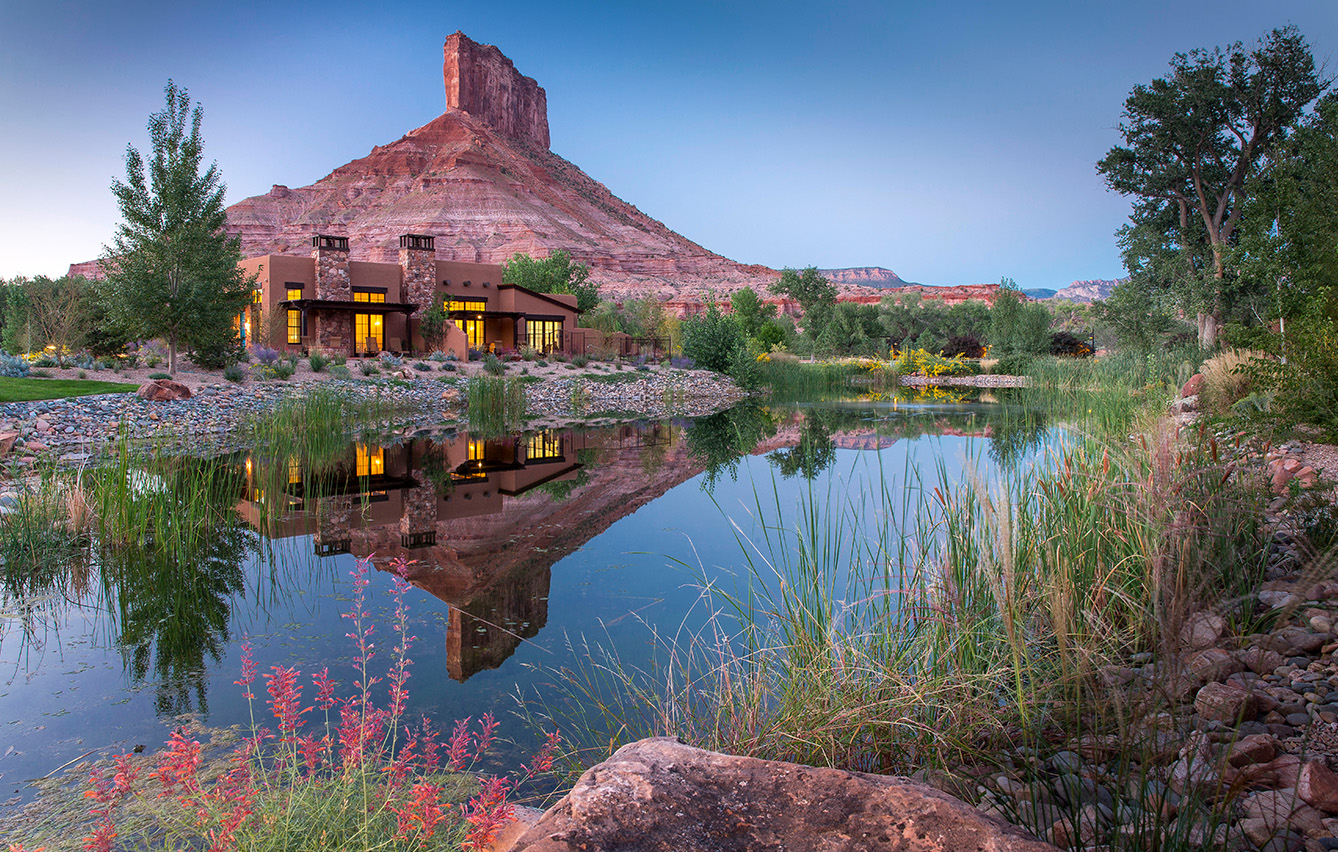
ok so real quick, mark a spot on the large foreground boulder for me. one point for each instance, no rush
(163, 390)
(658, 795)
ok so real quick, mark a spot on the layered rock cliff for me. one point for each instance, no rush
(484, 83)
(1088, 291)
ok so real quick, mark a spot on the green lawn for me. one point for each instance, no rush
(22, 390)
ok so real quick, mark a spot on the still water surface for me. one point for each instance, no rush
(523, 547)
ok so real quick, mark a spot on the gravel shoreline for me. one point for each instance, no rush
(75, 428)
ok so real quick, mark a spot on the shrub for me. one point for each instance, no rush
(83, 375)
(40, 374)
(450, 356)
(1012, 365)
(542, 363)
(437, 356)
(448, 367)
(711, 340)
(1063, 343)
(923, 363)
(580, 360)
(679, 362)
(493, 365)
(11, 367)
(339, 360)
(340, 371)
(153, 359)
(318, 361)
(1227, 379)
(422, 367)
(642, 368)
(369, 369)
(234, 373)
(391, 362)
(264, 355)
(160, 375)
(283, 370)
(46, 360)
(965, 345)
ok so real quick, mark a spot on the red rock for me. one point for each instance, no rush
(7, 440)
(1192, 387)
(163, 390)
(1251, 749)
(1202, 630)
(1224, 703)
(484, 83)
(659, 794)
(1317, 785)
(34, 446)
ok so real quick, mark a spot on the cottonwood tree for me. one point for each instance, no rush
(172, 268)
(816, 297)
(1193, 144)
(553, 274)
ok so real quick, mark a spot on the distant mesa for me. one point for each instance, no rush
(1089, 291)
(864, 276)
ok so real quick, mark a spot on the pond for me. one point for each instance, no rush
(524, 550)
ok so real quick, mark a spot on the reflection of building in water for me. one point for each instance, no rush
(484, 520)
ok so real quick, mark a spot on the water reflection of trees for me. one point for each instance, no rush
(717, 442)
(815, 451)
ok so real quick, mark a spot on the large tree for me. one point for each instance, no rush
(816, 297)
(1194, 141)
(172, 268)
(553, 274)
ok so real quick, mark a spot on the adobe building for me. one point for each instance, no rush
(329, 303)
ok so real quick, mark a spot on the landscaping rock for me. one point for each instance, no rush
(1317, 785)
(1194, 386)
(1224, 703)
(659, 794)
(1202, 630)
(163, 390)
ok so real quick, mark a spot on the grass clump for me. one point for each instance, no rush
(318, 361)
(495, 405)
(1227, 379)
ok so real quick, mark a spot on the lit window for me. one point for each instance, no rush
(294, 293)
(368, 296)
(477, 305)
(543, 335)
(542, 445)
(294, 471)
(370, 462)
(294, 325)
(476, 449)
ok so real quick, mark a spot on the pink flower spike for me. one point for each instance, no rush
(486, 736)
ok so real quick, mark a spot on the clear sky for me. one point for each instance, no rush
(952, 142)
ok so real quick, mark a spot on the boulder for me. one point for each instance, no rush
(1193, 387)
(659, 794)
(163, 390)
(7, 440)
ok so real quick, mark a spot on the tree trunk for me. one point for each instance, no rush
(1209, 326)
(172, 355)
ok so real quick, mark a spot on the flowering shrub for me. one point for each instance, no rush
(920, 362)
(265, 356)
(365, 779)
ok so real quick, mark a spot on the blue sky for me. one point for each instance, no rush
(953, 142)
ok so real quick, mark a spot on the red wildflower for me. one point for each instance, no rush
(285, 700)
(484, 739)
(421, 813)
(248, 670)
(457, 751)
(487, 812)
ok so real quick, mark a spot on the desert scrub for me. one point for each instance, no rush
(367, 777)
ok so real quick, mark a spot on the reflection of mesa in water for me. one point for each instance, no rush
(485, 519)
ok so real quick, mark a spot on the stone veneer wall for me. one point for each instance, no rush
(420, 510)
(332, 332)
(420, 276)
(332, 281)
(334, 517)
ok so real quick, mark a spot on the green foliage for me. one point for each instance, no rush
(816, 297)
(1135, 314)
(1018, 326)
(234, 373)
(493, 365)
(853, 329)
(1012, 365)
(718, 441)
(1194, 141)
(1307, 383)
(66, 312)
(554, 274)
(495, 405)
(318, 361)
(160, 375)
(913, 322)
(172, 268)
(711, 339)
(432, 324)
(21, 390)
(750, 312)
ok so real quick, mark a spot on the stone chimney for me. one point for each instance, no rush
(418, 262)
(484, 83)
(331, 256)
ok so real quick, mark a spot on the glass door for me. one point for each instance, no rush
(369, 327)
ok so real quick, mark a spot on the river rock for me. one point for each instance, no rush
(163, 390)
(1224, 703)
(659, 794)
(1202, 630)
(1317, 785)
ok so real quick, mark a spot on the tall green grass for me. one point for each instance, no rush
(318, 426)
(791, 379)
(984, 632)
(496, 405)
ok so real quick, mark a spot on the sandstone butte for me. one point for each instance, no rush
(481, 178)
